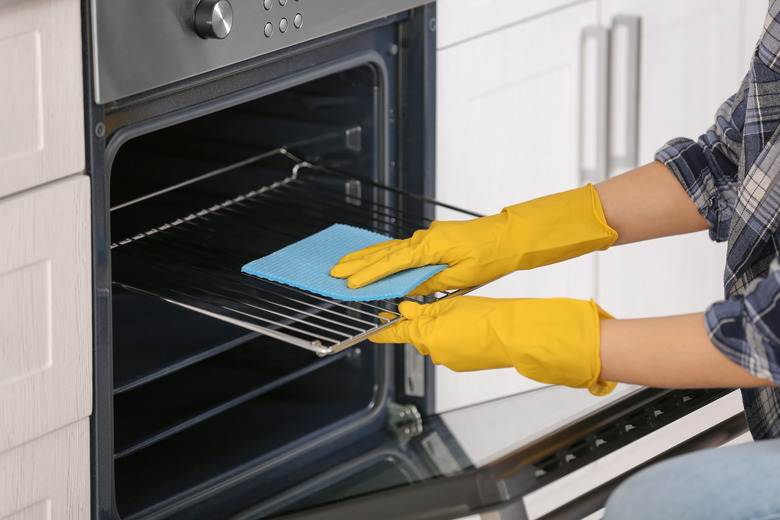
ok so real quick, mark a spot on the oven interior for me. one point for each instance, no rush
(201, 404)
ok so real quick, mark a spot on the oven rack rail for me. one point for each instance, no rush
(194, 261)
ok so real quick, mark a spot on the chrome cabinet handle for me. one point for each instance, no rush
(626, 58)
(593, 153)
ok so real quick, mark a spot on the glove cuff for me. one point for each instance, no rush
(559, 227)
(597, 386)
(558, 342)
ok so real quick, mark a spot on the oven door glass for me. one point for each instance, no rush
(489, 456)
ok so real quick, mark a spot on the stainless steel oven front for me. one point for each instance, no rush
(142, 45)
(219, 131)
(275, 118)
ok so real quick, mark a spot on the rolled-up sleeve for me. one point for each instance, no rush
(707, 168)
(746, 327)
(732, 173)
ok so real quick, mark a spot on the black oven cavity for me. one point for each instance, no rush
(195, 415)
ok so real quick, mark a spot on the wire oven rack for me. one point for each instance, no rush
(194, 259)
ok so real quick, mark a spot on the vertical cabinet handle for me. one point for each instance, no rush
(594, 105)
(625, 70)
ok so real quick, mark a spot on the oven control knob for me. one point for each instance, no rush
(213, 18)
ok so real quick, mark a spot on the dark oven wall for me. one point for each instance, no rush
(196, 417)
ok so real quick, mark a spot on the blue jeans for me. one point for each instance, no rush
(736, 482)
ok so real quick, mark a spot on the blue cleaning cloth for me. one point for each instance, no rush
(306, 264)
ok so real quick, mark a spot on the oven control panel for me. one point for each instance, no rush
(286, 18)
(144, 44)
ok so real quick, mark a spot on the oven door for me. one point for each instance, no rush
(553, 452)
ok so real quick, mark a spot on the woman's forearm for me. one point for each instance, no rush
(648, 202)
(669, 352)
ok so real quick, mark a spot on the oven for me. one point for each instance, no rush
(220, 131)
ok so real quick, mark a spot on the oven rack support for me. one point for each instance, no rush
(194, 260)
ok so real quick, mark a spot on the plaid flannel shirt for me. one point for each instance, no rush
(732, 173)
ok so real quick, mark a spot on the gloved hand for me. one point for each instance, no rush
(549, 340)
(531, 234)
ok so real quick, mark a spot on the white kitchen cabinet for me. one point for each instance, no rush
(460, 20)
(692, 59)
(48, 477)
(690, 63)
(41, 106)
(45, 264)
(516, 119)
(45, 310)
(508, 130)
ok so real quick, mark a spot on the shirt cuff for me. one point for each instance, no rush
(746, 327)
(692, 164)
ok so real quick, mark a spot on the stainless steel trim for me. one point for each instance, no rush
(144, 44)
(632, 25)
(598, 97)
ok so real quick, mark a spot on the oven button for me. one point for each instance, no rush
(298, 21)
(213, 18)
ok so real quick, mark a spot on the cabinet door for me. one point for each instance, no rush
(41, 106)
(460, 20)
(508, 119)
(690, 63)
(45, 310)
(48, 477)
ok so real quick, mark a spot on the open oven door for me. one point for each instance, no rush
(549, 453)
(396, 460)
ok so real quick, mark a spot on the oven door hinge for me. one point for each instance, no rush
(404, 421)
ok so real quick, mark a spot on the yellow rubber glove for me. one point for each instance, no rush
(535, 233)
(552, 341)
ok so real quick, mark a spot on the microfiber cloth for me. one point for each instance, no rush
(306, 264)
